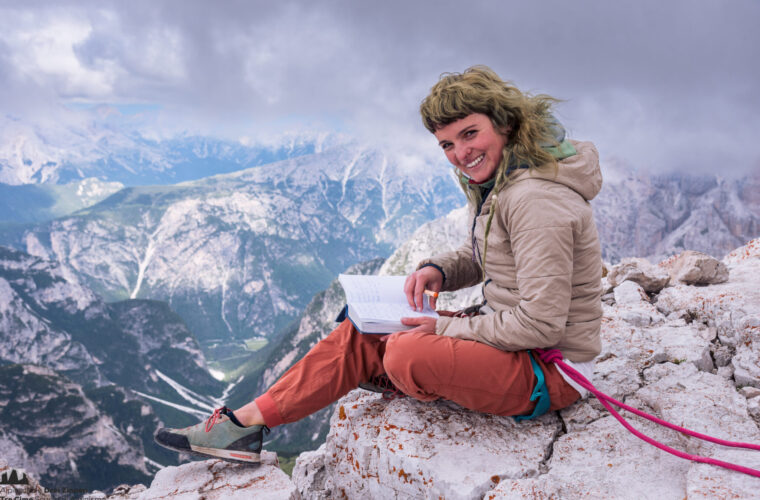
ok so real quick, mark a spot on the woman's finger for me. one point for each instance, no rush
(419, 291)
(409, 289)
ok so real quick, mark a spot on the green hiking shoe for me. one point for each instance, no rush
(221, 436)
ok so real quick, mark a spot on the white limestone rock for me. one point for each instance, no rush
(732, 308)
(680, 344)
(753, 408)
(748, 252)
(699, 401)
(633, 306)
(727, 372)
(409, 449)
(709, 482)
(630, 293)
(749, 392)
(628, 349)
(695, 268)
(604, 461)
(216, 479)
(579, 415)
(651, 278)
(310, 475)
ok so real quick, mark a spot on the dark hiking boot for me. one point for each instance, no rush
(383, 385)
(221, 436)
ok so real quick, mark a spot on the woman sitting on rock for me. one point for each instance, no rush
(533, 245)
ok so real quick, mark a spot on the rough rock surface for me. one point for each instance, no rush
(695, 268)
(409, 449)
(651, 278)
(212, 480)
(732, 309)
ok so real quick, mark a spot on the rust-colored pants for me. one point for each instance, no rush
(423, 365)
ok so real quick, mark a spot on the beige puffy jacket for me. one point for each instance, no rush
(543, 267)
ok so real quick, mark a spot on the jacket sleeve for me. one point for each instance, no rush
(540, 227)
(458, 267)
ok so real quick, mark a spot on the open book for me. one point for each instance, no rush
(376, 304)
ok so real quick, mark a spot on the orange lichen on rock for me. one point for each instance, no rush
(341, 413)
(404, 475)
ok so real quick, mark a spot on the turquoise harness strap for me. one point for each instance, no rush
(540, 392)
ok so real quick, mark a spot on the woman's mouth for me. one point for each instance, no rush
(474, 163)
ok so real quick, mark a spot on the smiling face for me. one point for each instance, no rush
(473, 146)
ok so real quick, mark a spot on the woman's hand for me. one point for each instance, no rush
(427, 278)
(422, 324)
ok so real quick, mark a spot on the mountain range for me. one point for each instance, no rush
(640, 214)
(101, 146)
(240, 255)
(120, 297)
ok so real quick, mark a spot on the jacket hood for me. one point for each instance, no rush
(579, 172)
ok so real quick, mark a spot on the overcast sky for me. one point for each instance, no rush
(656, 84)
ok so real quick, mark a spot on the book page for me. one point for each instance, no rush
(373, 289)
(385, 312)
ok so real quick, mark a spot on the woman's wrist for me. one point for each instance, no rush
(437, 268)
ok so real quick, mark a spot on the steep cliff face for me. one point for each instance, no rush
(70, 442)
(79, 365)
(49, 318)
(640, 215)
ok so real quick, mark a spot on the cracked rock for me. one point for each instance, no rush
(722, 355)
(695, 268)
(216, 479)
(651, 278)
(750, 392)
(409, 449)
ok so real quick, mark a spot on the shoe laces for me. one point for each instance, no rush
(390, 391)
(215, 417)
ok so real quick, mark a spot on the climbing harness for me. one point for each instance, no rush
(540, 392)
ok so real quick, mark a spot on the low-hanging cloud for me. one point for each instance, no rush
(663, 86)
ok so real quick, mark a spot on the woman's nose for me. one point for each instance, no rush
(463, 153)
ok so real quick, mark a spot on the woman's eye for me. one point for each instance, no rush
(470, 133)
(446, 146)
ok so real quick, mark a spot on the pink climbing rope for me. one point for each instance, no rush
(555, 356)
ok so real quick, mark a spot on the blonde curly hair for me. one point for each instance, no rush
(527, 120)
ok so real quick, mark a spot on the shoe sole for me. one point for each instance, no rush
(232, 455)
(236, 456)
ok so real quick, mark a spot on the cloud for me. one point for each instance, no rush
(665, 85)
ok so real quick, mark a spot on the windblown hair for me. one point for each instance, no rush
(526, 120)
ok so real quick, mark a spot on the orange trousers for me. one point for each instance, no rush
(424, 366)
